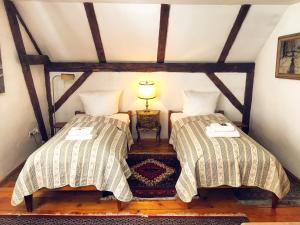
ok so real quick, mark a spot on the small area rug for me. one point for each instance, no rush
(153, 175)
(262, 198)
(121, 220)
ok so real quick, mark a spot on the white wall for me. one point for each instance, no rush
(170, 87)
(17, 117)
(275, 119)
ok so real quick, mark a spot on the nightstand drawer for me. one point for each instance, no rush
(148, 121)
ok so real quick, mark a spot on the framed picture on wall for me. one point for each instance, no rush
(288, 57)
(2, 89)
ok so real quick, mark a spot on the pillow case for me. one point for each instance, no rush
(100, 103)
(200, 103)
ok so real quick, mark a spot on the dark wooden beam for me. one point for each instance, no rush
(248, 99)
(71, 90)
(234, 32)
(16, 33)
(91, 15)
(163, 31)
(49, 100)
(35, 59)
(228, 94)
(27, 30)
(150, 67)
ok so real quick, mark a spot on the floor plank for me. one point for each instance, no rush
(82, 202)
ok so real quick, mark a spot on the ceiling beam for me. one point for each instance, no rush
(234, 32)
(71, 90)
(91, 15)
(17, 36)
(37, 48)
(149, 67)
(35, 59)
(163, 31)
(225, 91)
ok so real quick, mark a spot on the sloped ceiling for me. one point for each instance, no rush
(129, 32)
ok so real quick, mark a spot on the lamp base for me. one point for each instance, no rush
(147, 105)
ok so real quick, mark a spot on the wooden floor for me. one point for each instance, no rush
(218, 201)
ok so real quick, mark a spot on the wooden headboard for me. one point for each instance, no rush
(173, 111)
(128, 112)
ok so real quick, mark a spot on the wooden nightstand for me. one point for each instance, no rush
(148, 121)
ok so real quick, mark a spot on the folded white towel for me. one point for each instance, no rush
(80, 131)
(222, 127)
(211, 133)
(80, 137)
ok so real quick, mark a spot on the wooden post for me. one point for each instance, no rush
(17, 36)
(226, 92)
(248, 99)
(49, 100)
(91, 15)
(234, 32)
(163, 31)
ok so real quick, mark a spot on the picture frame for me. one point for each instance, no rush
(2, 88)
(288, 57)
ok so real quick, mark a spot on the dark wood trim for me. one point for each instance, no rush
(248, 99)
(234, 32)
(17, 36)
(35, 59)
(91, 15)
(163, 32)
(149, 67)
(71, 90)
(228, 94)
(27, 30)
(49, 100)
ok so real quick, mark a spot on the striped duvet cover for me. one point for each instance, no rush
(100, 162)
(213, 162)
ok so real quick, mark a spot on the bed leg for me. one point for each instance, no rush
(28, 203)
(189, 205)
(119, 205)
(202, 193)
(274, 201)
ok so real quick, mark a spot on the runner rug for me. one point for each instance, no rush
(121, 220)
(262, 198)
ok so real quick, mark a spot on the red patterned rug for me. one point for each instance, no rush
(153, 175)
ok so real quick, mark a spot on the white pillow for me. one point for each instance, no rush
(100, 103)
(200, 103)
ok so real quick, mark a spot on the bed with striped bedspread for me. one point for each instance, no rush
(214, 162)
(100, 162)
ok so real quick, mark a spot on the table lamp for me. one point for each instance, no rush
(147, 91)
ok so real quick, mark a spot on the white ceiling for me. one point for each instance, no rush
(129, 32)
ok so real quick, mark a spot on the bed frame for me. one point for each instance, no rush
(29, 198)
(274, 197)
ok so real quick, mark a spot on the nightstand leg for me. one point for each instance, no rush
(138, 135)
(158, 135)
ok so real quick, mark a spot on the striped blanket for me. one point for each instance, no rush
(100, 161)
(213, 162)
